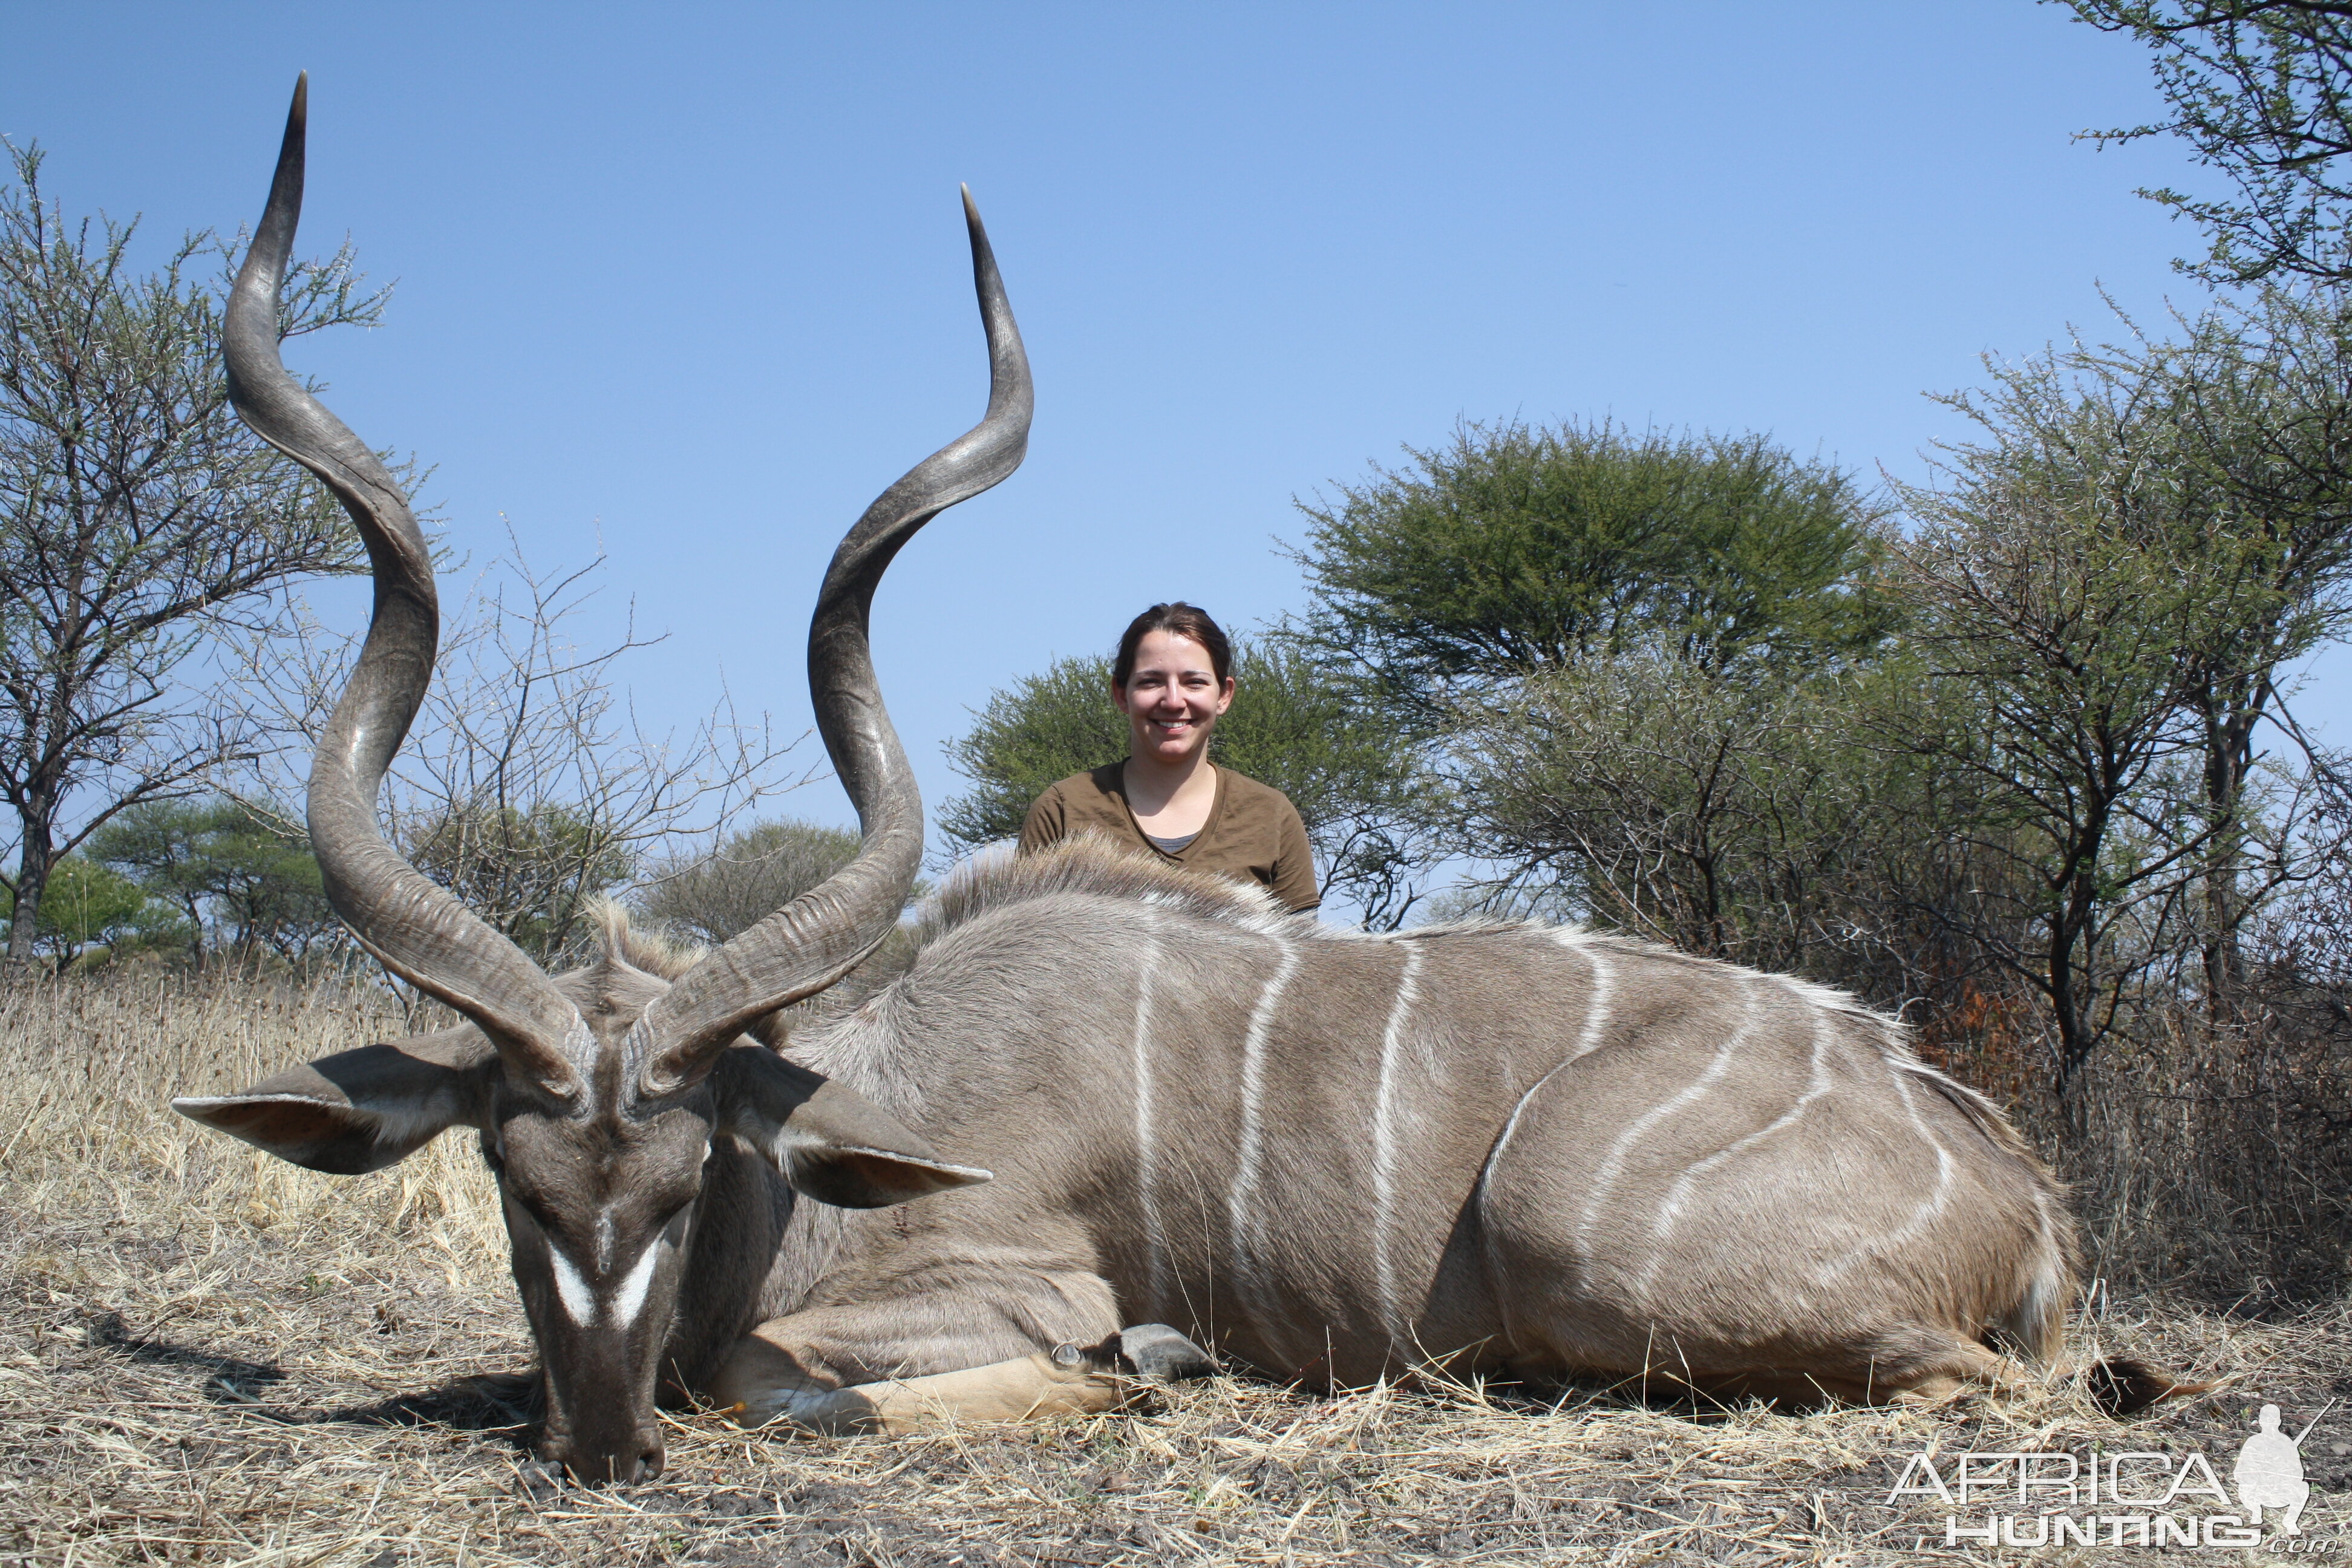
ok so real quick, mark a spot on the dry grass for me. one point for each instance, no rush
(2222, 1161)
(206, 1356)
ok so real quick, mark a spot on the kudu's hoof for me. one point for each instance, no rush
(1153, 1351)
(1158, 1353)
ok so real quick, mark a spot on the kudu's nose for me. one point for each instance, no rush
(596, 1465)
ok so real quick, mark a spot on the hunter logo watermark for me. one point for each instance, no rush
(2093, 1497)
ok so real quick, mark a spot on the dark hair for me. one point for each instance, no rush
(1184, 621)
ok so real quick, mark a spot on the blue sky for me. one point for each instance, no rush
(689, 280)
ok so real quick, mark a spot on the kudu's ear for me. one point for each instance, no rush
(359, 1110)
(829, 1141)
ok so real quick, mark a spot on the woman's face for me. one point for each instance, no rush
(1172, 698)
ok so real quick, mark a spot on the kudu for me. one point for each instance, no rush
(1332, 1156)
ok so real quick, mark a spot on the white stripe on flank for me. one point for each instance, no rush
(1816, 1086)
(571, 1287)
(1614, 1166)
(1588, 1040)
(1922, 1216)
(1146, 1152)
(630, 1298)
(1246, 1227)
(1384, 1146)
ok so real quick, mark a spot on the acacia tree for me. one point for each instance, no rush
(2213, 465)
(92, 905)
(1492, 585)
(1749, 819)
(161, 845)
(2262, 91)
(2052, 647)
(138, 516)
(2107, 609)
(1516, 548)
(232, 871)
(2255, 409)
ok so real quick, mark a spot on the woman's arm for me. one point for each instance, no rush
(1294, 864)
(1047, 822)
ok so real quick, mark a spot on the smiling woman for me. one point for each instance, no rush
(1173, 679)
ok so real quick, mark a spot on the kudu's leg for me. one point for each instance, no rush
(762, 1382)
(912, 1361)
(1959, 1366)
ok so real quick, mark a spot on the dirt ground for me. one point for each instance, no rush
(207, 1357)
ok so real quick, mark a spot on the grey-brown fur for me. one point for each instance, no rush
(1010, 1044)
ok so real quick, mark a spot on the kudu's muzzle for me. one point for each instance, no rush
(622, 1451)
(600, 1424)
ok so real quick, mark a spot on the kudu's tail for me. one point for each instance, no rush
(2121, 1384)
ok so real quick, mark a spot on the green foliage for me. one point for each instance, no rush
(528, 873)
(2262, 91)
(1719, 816)
(715, 897)
(2235, 442)
(2047, 774)
(2104, 601)
(1043, 728)
(1322, 741)
(234, 872)
(92, 905)
(1690, 689)
(1517, 549)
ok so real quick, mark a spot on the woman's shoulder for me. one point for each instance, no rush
(1090, 801)
(1097, 791)
(1253, 794)
(1106, 782)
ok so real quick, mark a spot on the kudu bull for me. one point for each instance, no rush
(1332, 1155)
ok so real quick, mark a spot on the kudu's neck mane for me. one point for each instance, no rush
(634, 962)
(1090, 865)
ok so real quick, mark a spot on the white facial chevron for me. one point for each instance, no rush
(571, 1287)
(630, 1298)
(578, 1297)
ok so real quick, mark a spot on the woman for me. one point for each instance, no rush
(1173, 679)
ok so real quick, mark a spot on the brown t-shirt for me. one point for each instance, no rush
(1253, 833)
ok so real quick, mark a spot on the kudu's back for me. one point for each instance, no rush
(1333, 1155)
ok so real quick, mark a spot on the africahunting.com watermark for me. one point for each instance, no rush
(2091, 1496)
